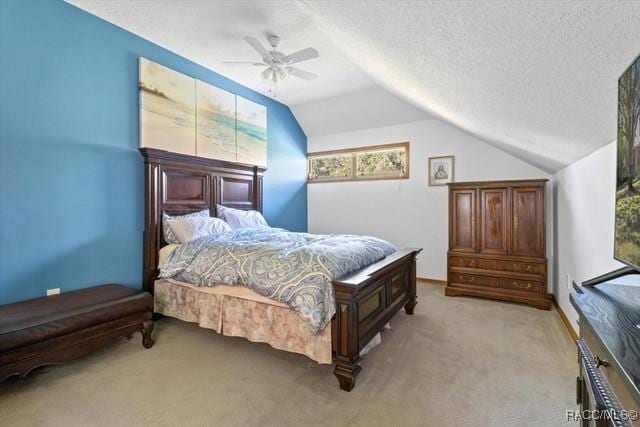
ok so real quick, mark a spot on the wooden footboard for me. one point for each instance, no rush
(365, 301)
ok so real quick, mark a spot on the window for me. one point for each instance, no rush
(389, 161)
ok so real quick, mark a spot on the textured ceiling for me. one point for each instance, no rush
(536, 79)
(209, 32)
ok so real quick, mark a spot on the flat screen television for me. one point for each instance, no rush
(627, 224)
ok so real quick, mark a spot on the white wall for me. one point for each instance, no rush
(408, 212)
(362, 109)
(584, 222)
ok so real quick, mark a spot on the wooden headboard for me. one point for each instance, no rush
(179, 184)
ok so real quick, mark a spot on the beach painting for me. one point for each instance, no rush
(167, 108)
(187, 116)
(251, 132)
(216, 122)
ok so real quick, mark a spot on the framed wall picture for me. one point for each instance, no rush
(441, 170)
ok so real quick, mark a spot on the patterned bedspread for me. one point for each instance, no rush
(293, 268)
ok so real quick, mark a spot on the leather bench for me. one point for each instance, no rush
(63, 327)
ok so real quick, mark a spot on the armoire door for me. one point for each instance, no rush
(494, 219)
(527, 208)
(463, 220)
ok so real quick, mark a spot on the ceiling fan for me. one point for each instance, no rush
(279, 65)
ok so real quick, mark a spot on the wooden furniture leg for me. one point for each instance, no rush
(347, 353)
(408, 307)
(147, 328)
(413, 293)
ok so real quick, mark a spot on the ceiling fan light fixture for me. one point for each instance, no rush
(268, 74)
(277, 63)
(281, 74)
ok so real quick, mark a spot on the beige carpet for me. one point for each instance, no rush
(456, 362)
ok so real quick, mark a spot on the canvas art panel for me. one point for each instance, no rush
(187, 116)
(441, 170)
(167, 108)
(627, 221)
(216, 122)
(251, 132)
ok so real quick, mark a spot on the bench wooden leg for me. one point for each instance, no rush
(147, 328)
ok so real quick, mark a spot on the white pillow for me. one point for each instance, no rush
(194, 227)
(238, 218)
(169, 237)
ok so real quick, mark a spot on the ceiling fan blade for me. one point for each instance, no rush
(258, 64)
(255, 44)
(301, 55)
(301, 74)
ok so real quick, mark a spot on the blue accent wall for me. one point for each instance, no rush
(71, 176)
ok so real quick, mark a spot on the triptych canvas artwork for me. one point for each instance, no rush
(184, 115)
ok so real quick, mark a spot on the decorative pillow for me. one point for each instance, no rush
(169, 237)
(194, 227)
(238, 218)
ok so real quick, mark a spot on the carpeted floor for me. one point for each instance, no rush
(456, 362)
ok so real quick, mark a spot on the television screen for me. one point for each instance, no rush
(627, 228)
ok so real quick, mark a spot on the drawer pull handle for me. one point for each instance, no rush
(522, 285)
(472, 263)
(518, 267)
(600, 362)
(464, 279)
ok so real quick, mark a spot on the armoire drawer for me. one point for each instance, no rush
(497, 282)
(497, 264)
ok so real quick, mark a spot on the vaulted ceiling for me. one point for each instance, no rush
(536, 79)
(211, 32)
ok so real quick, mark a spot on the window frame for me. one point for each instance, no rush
(354, 153)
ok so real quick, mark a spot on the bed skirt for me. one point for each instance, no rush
(239, 312)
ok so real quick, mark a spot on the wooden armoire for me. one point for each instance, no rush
(497, 241)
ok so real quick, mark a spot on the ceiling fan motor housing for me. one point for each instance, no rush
(274, 41)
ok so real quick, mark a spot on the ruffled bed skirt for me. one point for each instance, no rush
(239, 312)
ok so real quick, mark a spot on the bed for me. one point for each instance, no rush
(365, 300)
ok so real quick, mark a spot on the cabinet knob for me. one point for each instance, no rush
(600, 362)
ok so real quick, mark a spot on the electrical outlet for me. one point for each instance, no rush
(568, 282)
(54, 291)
